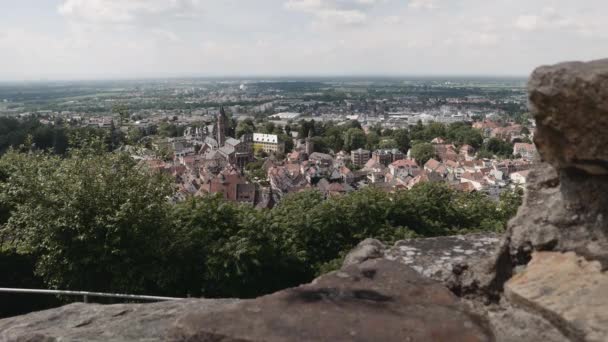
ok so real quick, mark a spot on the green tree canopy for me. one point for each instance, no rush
(423, 152)
(354, 138)
(402, 138)
(94, 221)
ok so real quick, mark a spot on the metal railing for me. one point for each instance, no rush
(85, 294)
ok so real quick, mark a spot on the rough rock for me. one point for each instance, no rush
(365, 250)
(512, 324)
(561, 212)
(378, 300)
(566, 208)
(570, 103)
(443, 257)
(568, 291)
(93, 322)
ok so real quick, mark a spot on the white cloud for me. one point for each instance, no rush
(334, 12)
(147, 38)
(550, 19)
(128, 11)
(423, 4)
(527, 22)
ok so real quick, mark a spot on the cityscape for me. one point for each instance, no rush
(257, 141)
(303, 170)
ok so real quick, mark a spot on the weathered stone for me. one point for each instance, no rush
(93, 322)
(378, 300)
(511, 324)
(365, 250)
(561, 214)
(441, 257)
(567, 290)
(570, 104)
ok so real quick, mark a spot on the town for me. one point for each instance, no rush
(257, 141)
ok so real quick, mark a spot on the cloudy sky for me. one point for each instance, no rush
(87, 39)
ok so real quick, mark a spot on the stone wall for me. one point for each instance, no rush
(544, 280)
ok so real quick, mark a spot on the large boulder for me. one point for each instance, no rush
(94, 322)
(551, 263)
(566, 208)
(443, 257)
(365, 250)
(570, 104)
(566, 290)
(377, 300)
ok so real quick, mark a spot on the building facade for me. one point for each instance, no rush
(268, 143)
(359, 157)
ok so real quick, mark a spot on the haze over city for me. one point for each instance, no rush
(105, 39)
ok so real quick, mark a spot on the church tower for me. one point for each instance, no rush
(221, 127)
(309, 144)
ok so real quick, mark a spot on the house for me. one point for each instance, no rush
(507, 133)
(486, 127)
(520, 177)
(181, 149)
(446, 152)
(383, 157)
(232, 185)
(295, 157)
(268, 143)
(424, 177)
(386, 157)
(526, 151)
(475, 178)
(321, 159)
(375, 171)
(347, 175)
(332, 189)
(431, 165)
(403, 168)
(467, 152)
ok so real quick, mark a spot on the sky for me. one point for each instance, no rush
(107, 39)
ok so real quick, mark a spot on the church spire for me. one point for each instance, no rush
(221, 126)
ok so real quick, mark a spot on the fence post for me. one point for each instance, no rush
(85, 298)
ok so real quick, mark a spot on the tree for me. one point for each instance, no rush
(135, 134)
(123, 113)
(269, 128)
(93, 221)
(354, 138)
(423, 152)
(498, 147)
(227, 251)
(244, 127)
(388, 144)
(461, 133)
(402, 138)
(373, 140)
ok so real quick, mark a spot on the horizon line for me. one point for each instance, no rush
(245, 77)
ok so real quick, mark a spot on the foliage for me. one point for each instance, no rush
(422, 153)
(94, 221)
(354, 138)
(373, 140)
(97, 221)
(497, 147)
(402, 139)
(222, 249)
(460, 133)
(244, 127)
